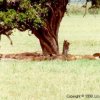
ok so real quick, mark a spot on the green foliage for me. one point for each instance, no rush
(8, 17)
(28, 13)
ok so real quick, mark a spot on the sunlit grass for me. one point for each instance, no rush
(53, 80)
(82, 33)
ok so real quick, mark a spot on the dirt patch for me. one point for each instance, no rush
(39, 57)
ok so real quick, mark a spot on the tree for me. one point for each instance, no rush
(95, 3)
(42, 17)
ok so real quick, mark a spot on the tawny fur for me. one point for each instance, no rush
(65, 47)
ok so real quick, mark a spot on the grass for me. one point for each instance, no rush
(53, 80)
(82, 33)
(78, 9)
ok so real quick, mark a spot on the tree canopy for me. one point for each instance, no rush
(22, 14)
(42, 17)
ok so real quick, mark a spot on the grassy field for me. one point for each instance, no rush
(53, 80)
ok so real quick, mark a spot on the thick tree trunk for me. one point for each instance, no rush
(48, 42)
(48, 35)
(49, 45)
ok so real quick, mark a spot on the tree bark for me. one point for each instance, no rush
(48, 35)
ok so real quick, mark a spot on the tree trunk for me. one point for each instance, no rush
(48, 35)
(95, 3)
(48, 42)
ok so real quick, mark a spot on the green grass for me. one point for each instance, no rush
(53, 80)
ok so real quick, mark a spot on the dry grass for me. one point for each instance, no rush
(53, 80)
